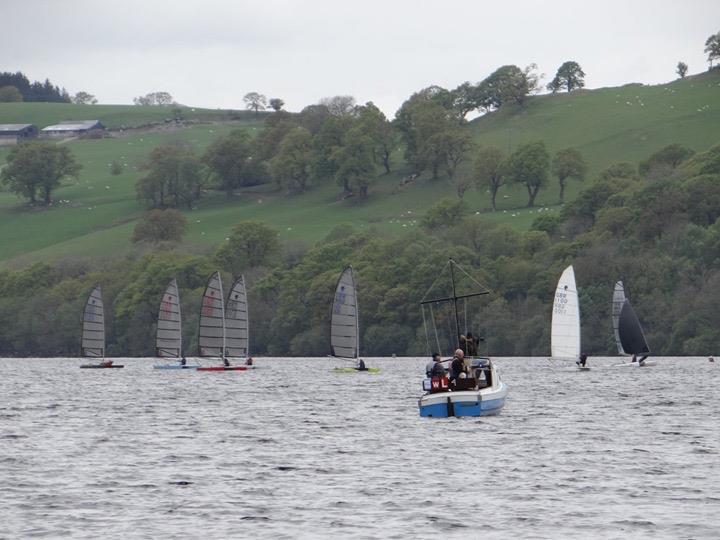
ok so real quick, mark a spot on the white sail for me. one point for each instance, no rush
(93, 326)
(211, 336)
(237, 339)
(168, 338)
(344, 329)
(565, 335)
(617, 304)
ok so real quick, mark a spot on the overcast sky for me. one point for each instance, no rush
(210, 53)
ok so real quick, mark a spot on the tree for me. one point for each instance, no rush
(355, 162)
(291, 166)
(568, 163)
(444, 213)
(373, 123)
(451, 146)
(230, 159)
(155, 98)
(251, 244)
(712, 48)
(83, 98)
(528, 166)
(424, 115)
(465, 99)
(681, 69)
(569, 76)
(173, 178)
(489, 171)
(507, 84)
(10, 94)
(116, 168)
(37, 169)
(255, 102)
(313, 117)
(339, 105)
(160, 226)
(276, 104)
(669, 157)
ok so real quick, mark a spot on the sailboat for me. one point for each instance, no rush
(632, 337)
(168, 336)
(482, 393)
(345, 325)
(211, 335)
(617, 304)
(237, 325)
(92, 342)
(565, 326)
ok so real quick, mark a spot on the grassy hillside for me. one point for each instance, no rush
(112, 116)
(610, 125)
(95, 216)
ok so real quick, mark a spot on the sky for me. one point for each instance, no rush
(210, 53)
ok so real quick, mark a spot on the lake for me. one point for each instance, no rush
(296, 451)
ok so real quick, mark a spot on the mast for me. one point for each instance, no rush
(179, 317)
(222, 315)
(455, 299)
(357, 315)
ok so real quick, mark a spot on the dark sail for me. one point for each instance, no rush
(631, 334)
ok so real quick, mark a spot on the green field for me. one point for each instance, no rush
(112, 116)
(94, 216)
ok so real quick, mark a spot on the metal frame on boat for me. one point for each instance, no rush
(481, 393)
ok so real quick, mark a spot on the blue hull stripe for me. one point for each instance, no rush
(480, 408)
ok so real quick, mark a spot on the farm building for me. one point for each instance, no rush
(16, 133)
(73, 128)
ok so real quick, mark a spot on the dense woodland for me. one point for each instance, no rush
(17, 87)
(653, 225)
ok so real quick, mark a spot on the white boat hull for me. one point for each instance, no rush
(483, 402)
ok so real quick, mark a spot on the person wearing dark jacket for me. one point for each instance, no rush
(458, 365)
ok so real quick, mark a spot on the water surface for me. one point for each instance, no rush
(298, 451)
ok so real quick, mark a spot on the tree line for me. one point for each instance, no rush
(17, 87)
(653, 224)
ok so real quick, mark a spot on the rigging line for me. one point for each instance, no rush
(437, 340)
(465, 314)
(427, 336)
(473, 279)
(434, 282)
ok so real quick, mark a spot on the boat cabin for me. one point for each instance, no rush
(479, 375)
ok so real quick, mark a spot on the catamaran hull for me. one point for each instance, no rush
(484, 402)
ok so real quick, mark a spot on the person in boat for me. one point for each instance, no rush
(431, 364)
(361, 365)
(711, 359)
(106, 363)
(226, 362)
(457, 367)
(437, 369)
(249, 361)
(582, 360)
(634, 358)
(469, 344)
(183, 361)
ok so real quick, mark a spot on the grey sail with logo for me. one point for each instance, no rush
(344, 324)
(211, 334)
(168, 337)
(92, 343)
(237, 325)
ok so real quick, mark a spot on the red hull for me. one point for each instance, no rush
(222, 368)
